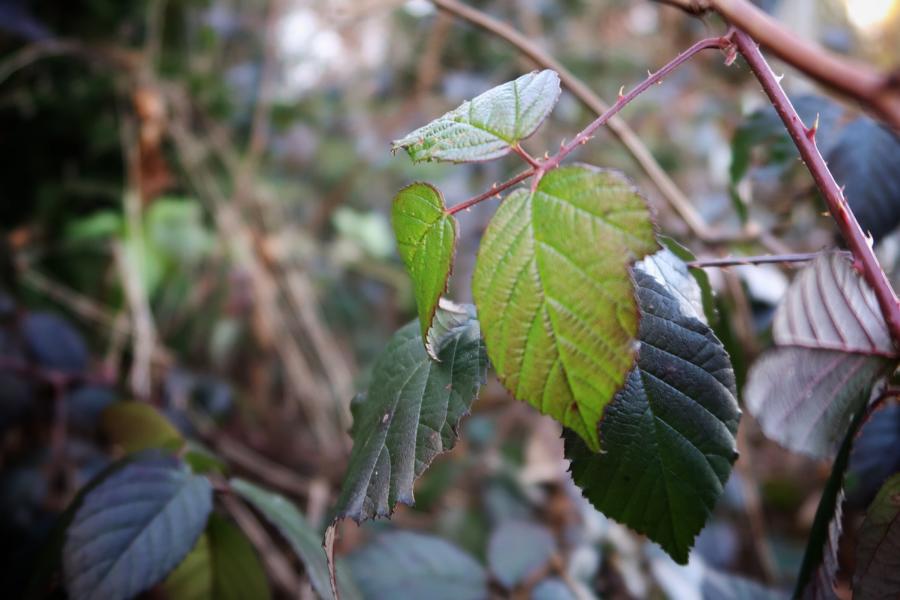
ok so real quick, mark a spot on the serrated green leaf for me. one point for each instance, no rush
(304, 540)
(409, 416)
(222, 566)
(832, 347)
(137, 426)
(668, 437)
(426, 239)
(134, 528)
(878, 553)
(403, 564)
(555, 296)
(487, 126)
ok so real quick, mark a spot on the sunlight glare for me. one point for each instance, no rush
(867, 15)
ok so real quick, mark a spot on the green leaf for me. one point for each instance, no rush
(555, 296)
(222, 566)
(426, 239)
(487, 126)
(820, 560)
(134, 528)
(304, 540)
(519, 549)
(668, 436)
(137, 426)
(878, 552)
(832, 347)
(409, 416)
(402, 564)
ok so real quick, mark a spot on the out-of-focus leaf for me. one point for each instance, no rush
(101, 225)
(765, 128)
(409, 416)
(554, 293)
(552, 588)
(137, 426)
(878, 553)
(85, 405)
(669, 434)
(222, 566)
(517, 550)
(815, 580)
(402, 564)
(874, 457)
(487, 126)
(202, 460)
(304, 540)
(833, 346)
(54, 343)
(134, 528)
(866, 161)
(426, 239)
(174, 226)
(192, 579)
(723, 586)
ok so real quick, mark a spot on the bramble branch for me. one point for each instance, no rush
(736, 261)
(540, 168)
(805, 140)
(877, 91)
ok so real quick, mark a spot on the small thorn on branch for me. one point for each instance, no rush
(811, 131)
(621, 93)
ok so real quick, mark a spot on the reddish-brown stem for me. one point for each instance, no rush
(525, 156)
(542, 167)
(735, 261)
(495, 190)
(585, 135)
(864, 257)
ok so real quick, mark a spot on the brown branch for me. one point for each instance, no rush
(877, 91)
(669, 190)
(805, 140)
(734, 261)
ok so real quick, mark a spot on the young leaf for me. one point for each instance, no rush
(304, 540)
(878, 553)
(518, 549)
(554, 294)
(222, 566)
(134, 528)
(833, 345)
(487, 126)
(409, 416)
(668, 436)
(137, 426)
(426, 239)
(402, 564)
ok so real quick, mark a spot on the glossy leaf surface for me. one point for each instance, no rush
(668, 437)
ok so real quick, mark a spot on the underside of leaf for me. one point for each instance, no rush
(487, 126)
(426, 239)
(832, 347)
(409, 416)
(554, 293)
(668, 437)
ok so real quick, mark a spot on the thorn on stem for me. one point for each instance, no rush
(811, 131)
(621, 92)
(730, 55)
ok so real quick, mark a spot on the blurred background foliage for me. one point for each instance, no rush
(194, 213)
